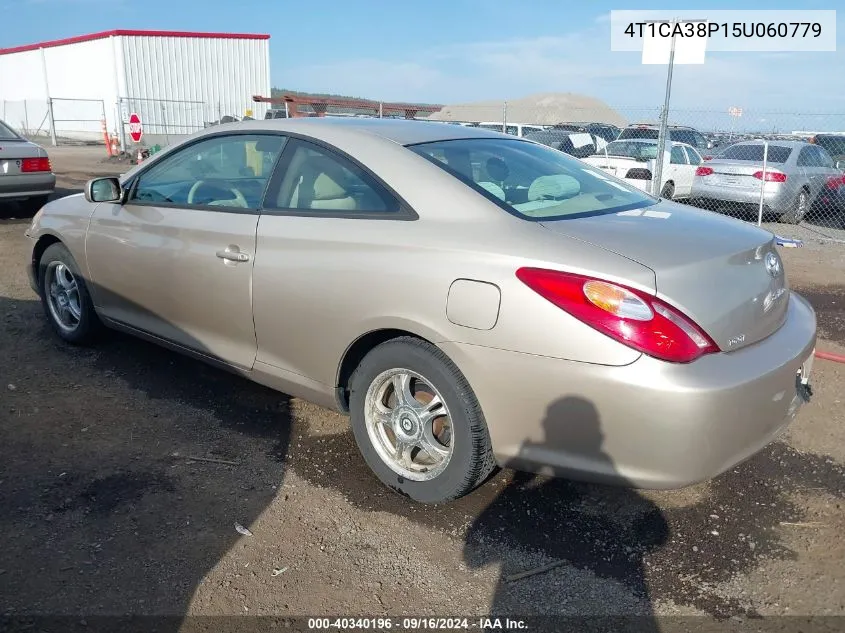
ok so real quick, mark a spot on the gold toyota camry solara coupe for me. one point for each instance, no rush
(470, 299)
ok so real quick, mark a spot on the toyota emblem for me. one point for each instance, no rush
(773, 264)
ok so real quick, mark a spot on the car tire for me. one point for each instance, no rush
(799, 209)
(65, 298)
(456, 467)
(33, 205)
(668, 191)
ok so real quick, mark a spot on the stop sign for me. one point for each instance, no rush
(136, 130)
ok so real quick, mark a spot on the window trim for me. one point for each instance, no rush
(131, 184)
(404, 213)
(683, 153)
(692, 152)
(649, 202)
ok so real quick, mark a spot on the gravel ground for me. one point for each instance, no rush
(103, 511)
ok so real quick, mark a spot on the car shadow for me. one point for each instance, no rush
(610, 544)
(16, 210)
(615, 550)
(126, 468)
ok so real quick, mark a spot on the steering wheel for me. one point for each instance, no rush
(239, 197)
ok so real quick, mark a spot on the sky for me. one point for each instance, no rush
(454, 51)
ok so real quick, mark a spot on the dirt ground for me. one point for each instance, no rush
(102, 510)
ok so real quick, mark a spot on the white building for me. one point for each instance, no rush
(175, 81)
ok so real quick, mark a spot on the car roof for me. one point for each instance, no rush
(792, 144)
(401, 131)
(657, 125)
(650, 141)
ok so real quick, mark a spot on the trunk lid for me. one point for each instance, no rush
(725, 274)
(13, 151)
(617, 165)
(737, 174)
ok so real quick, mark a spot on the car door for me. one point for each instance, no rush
(695, 159)
(325, 222)
(807, 169)
(175, 259)
(827, 168)
(678, 171)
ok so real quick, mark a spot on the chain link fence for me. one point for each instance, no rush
(782, 170)
(167, 121)
(57, 121)
(779, 169)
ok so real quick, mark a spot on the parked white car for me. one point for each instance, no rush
(634, 161)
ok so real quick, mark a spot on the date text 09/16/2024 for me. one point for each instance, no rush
(416, 623)
(745, 30)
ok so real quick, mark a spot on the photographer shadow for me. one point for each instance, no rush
(565, 529)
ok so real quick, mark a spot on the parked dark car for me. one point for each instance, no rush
(579, 144)
(834, 144)
(678, 133)
(604, 130)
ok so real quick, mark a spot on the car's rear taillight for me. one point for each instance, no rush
(29, 165)
(632, 317)
(834, 182)
(771, 176)
(704, 171)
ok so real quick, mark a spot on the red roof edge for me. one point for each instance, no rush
(104, 34)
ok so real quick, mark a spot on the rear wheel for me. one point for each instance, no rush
(65, 298)
(417, 423)
(799, 208)
(668, 191)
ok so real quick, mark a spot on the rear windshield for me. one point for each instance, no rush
(754, 153)
(835, 145)
(7, 134)
(627, 149)
(532, 181)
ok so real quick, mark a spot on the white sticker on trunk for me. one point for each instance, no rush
(657, 214)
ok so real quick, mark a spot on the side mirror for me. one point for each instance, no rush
(103, 190)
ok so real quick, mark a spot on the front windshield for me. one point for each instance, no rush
(7, 134)
(532, 181)
(628, 149)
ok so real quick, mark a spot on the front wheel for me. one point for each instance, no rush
(65, 298)
(798, 210)
(417, 423)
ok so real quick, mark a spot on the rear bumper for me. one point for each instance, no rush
(776, 197)
(27, 185)
(649, 424)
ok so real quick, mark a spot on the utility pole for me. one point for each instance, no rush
(657, 177)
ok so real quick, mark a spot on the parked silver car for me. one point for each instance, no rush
(25, 171)
(796, 172)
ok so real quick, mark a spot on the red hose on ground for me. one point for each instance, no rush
(836, 358)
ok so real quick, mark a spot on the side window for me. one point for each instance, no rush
(678, 156)
(226, 171)
(805, 158)
(700, 141)
(694, 156)
(825, 159)
(319, 180)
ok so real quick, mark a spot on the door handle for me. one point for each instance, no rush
(233, 254)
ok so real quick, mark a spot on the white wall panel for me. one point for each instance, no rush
(183, 82)
(176, 83)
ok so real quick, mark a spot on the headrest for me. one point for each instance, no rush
(556, 187)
